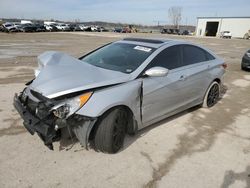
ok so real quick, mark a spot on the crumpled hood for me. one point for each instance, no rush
(60, 74)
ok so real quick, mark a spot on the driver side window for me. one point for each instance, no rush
(169, 58)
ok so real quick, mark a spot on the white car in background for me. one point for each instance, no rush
(48, 27)
(9, 27)
(62, 27)
(93, 28)
(226, 34)
(83, 27)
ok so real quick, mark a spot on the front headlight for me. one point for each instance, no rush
(36, 72)
(70, 106)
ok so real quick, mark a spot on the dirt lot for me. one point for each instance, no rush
(197, 148)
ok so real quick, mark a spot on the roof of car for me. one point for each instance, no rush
(151, 42)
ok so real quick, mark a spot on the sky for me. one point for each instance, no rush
(146, 12)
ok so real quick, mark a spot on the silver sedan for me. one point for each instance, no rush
(116, 90)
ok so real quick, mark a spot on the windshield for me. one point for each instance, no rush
(119, 57)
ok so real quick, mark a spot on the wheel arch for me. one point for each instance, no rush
(216, 80)
(132, 124)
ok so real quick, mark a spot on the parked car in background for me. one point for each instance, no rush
(40, 27)
(117, 89)
(83, 27)
(226, 34)
(9, 27)
(58, 26)
(62, 27)
(48, 27)
(88, 28)
(245, 63)
(126, 30)
(91, 28)
(117, 30)
(165, 31)
(185, 32)
(102, 29)
(28, 28)
(51, 28)
(17, 26)
(171, 31)
(1, 28)
(74, 27)
(175, 31)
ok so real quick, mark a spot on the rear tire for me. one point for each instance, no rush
(111, 131)
(242, 67)
(212, 95)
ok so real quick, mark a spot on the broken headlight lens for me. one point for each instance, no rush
(69, 107)
(61, 112)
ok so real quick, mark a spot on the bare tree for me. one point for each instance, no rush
(174, 14)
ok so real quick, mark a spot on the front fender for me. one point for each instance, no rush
(128, 94)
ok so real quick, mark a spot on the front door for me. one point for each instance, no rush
(162, 95)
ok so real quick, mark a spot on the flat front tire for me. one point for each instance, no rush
(111, 131)
(212, 95)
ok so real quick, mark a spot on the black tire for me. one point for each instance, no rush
(242, 67)
(212, 95)
(111, 131)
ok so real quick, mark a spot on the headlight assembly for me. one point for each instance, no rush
(70, 106)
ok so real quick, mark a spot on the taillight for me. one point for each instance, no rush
(224, 65)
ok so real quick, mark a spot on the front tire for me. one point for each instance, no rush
(111, 131)
(212, 95)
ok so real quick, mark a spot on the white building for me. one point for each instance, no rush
(212, 26)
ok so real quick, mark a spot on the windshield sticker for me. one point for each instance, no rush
(143, 48)
(129, 70)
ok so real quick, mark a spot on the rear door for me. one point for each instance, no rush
(197, 63)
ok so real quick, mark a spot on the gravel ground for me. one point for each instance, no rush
(196, 148)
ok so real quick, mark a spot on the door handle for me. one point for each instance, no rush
(182, 78)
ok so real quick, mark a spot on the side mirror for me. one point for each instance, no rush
(156, 72)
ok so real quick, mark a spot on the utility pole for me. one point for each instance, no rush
(158, 22)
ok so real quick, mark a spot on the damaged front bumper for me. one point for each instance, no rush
(45, 129)
(49, 127)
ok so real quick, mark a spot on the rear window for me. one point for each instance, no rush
(194, 54)
(209, 56)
